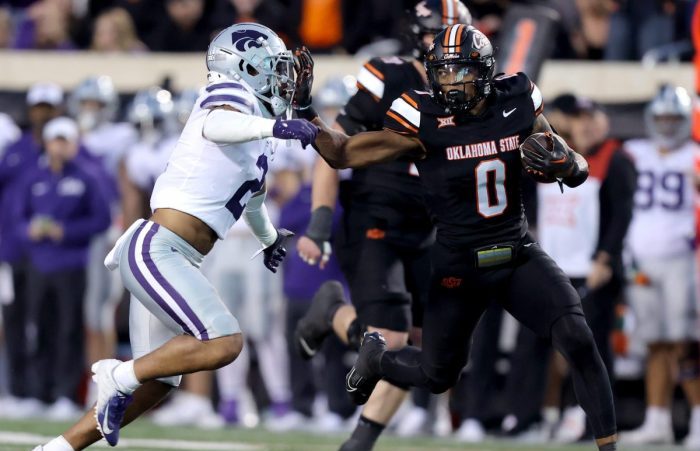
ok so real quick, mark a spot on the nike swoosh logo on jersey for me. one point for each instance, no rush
(105, 426)
(508, 113)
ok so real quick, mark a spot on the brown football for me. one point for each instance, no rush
(537, 140)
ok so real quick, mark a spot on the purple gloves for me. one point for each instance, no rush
(275, 253)
(300, 129)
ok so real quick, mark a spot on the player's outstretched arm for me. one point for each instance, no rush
(573, 170)
(226, 125)
(341, 151)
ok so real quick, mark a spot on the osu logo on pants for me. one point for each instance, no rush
(451, 282)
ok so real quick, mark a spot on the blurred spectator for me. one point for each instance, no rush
(184, 29)
(321, 22)
(44, 102)
(94, 103)
(664, 295)
(46, 27)
(583, 231)
(638, 26)
(6, 28)
(60, 207)
(114, 32)
(270, 13)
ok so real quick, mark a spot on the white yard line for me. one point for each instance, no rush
(21, 438)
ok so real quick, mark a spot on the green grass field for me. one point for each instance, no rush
(144, 436)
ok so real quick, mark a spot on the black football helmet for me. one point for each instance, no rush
(433, 16)
(460, 66)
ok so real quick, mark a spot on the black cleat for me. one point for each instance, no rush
(364, 375)
(316, 324)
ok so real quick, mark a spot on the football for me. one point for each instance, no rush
(533, 145)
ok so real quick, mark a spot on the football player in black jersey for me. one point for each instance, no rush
(383, 244)
(465, 137)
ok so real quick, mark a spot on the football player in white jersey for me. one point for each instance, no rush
(215, 175)
(660, 240)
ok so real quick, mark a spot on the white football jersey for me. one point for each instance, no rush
(110, 142)
(664, 217)
(209, 181)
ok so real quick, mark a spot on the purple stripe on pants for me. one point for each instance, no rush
(146, 286)
(166, 285)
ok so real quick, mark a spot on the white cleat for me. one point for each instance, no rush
(572, 427)
(648, 435)
(692, 441)
(413, 423)
(111, 403)
(471, 431)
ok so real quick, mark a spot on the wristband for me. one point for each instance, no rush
(321, 224)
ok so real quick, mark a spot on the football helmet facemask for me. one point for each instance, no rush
(101, 93)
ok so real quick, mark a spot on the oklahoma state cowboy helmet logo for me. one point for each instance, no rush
(448, 121)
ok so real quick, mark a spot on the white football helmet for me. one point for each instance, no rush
(256, 55)
(152, 111)
(668, 117)
(97, 89)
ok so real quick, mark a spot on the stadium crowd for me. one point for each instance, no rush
(79, 172)
(598, 29)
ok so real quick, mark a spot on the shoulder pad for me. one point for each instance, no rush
(227, 93)
(378, 71)
(513, 85)
(404, 115)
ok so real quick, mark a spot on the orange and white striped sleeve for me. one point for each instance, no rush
(404, 116)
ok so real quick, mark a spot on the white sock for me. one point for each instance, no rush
(125, 377)
(695, 420)
(658, 416)
(58, 444)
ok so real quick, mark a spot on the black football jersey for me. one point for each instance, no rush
(472, 171)
(390, 191)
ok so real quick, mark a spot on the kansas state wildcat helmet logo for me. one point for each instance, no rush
(244, 39)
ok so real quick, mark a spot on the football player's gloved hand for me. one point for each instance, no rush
(547, 155)
(300, 129)
(315, 245)
(304, 68)
(275, 253)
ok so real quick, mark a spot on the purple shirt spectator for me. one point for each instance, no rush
(75, 199)
(17, 160)
(300, 279)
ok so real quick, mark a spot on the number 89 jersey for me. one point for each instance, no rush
(664, 200)
(471, 172)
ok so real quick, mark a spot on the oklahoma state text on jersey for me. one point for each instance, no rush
(472, 170)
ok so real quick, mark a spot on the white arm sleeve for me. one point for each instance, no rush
(228, 127)
(255, 215)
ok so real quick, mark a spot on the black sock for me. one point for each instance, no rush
(364, 436)
(608, 447)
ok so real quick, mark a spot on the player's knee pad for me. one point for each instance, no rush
(441, 381)
(572, 336)
(355, 332)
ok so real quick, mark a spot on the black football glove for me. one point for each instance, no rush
(304, 68)
(555, 164)
(275, 253)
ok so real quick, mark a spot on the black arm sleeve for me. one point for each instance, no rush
(616, 203)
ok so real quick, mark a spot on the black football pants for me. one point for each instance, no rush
(536, 292)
